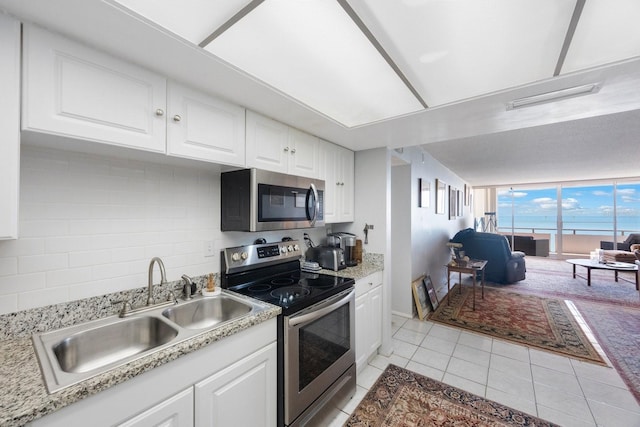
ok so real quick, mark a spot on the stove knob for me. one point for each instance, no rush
(235, 257)
(296, 247)
(283, 249)
(244, 255)
(290, 248)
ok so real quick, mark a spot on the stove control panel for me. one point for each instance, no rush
(246, 257)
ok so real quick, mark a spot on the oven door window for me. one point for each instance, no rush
(321, 343)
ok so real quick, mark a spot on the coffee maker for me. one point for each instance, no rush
(347, 242)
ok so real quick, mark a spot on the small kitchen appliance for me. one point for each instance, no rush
(327, 257)
(347, 242)
(316, 330)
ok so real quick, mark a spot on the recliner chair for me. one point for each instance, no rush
(633, 238)
(503, 266)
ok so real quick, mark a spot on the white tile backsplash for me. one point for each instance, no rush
(90, 224)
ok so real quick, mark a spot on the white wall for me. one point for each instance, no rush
(429, 231)
(89, 225)
(401, 219)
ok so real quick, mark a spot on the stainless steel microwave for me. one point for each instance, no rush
(259, 200)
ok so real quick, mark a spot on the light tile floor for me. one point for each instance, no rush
(556, 388)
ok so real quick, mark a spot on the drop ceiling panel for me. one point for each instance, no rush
(192, 20)
(608, 31)
(313, 52)
(460, 49)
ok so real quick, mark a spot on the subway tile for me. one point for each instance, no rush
(38, 263)
(68, 276)
(42, 297)
(8, 266)
(8, 303)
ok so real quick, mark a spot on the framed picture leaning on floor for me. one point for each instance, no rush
(431, 292)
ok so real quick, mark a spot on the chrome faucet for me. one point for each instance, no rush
(163, 278)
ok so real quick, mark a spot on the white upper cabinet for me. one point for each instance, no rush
(75, 91)
(9, 126)
(203, 127)
(337, 170)
(274, 146)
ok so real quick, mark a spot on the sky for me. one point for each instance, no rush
(578, 204)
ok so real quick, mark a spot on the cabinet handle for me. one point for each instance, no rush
(286, 149)
(177, 118)
(342, 183)
(293, 151)
(159, 112)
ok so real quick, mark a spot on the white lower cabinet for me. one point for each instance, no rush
(231, 382)
(173, 412)
(368, 318)
(222, 399)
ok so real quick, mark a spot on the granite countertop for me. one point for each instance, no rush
(371, 264)
(23, 395)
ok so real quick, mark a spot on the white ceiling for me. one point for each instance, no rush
(465, 63)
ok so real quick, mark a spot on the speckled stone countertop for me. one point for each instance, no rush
(370, 264)
(23, 395)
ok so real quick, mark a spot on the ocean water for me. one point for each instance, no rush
(596, 225)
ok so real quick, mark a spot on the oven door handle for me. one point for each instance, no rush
(316, 314)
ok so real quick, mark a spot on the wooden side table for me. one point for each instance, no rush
(473, 268)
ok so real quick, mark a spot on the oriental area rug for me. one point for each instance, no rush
(542, 322)
(402, 398)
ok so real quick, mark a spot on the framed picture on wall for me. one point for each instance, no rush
(441, 196)
(420, 297)
(424, 193)
(453, 202)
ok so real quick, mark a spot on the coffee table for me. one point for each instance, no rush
(473, 267)
(615, 266)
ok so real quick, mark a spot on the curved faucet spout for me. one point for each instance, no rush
(163, 278)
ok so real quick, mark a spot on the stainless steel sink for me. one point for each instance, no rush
(70, 355)
(206, 312)
(94, 348)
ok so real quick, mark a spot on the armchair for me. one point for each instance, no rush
(503, 266)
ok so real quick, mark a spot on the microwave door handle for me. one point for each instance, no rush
(316, 204)
(306, 318)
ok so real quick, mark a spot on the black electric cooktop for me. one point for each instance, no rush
(287, 286)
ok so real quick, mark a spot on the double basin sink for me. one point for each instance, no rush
(70, 355)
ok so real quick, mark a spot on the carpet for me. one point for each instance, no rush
(402, 398)
(531, 320)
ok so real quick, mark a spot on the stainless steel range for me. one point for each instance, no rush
(316, 341)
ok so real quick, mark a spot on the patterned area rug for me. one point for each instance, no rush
(545, 323)
(401, 398)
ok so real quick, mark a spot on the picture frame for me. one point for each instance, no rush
(420, 297)
(431, 292)
(453, 202)
(441, 196)
(466, 195)
(424, 193)
(460, 203)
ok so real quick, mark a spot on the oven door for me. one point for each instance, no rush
(319, 346)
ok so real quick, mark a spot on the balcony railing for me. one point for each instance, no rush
(574, 240)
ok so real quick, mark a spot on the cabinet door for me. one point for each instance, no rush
(9, 126)
(174, 412)
(375, 300)
(362, 330)
(346, 179)
(303, 154)
(266, 143)
(243, 394)
(329, 173)
(72, 90)
(203, 127)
